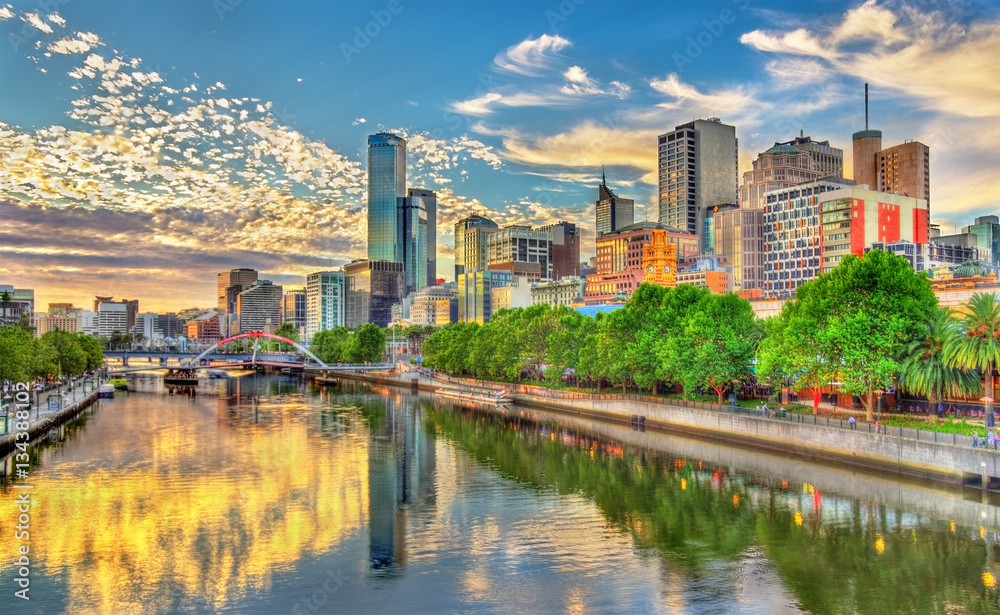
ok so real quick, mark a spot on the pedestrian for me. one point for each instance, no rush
(975, 439)
(757, 410)
(851, 421)
(878, 426)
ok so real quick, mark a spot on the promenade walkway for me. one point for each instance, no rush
(41, 417)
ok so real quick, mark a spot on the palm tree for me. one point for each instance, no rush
(923, 369)
(977, 347)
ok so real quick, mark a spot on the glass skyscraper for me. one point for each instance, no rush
(386, 186)
(418, 237)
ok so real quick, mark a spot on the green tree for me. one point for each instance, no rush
(17, 352)
(367, 344)
(977, 347)
(288, 331)
(859, 318)
(91, 347)
(923, 369)
(329, 344)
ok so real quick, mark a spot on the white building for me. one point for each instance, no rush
(563, 292)
(432, 305)
(112, 318)
(516, 294)
(324, 301)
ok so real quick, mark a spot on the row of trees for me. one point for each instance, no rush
(869, 325)
(24, 357)
(341, 345)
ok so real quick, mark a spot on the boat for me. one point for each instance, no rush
(217, 373)
(181, 376)
(120, 384)
(106, 391)
(495, 399)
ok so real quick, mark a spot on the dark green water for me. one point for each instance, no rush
(265, 495)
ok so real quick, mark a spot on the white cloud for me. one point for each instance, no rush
(359, 120)
(83, 43)
(36, 21)
(56, 19)
(531, 56)
(5, 12)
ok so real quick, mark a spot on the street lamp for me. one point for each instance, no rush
(990, 421)
(878, 397)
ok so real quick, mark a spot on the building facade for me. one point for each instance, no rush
(565, 249)
(433, 305)
(903, 169)
(566, 291)
(792, 236)
(739, 241)
(613, 212)
(698, 167)
(424, 201)
(258, 308)
(987, 233)
(204, 328)
(325, 302)
(517, 294)
(14, 303)
(786, 164)
(516, 245)
(293, 310)
(112, 317)
(475, 294)
(470, 242)
(928, 257)
(371, 288)
(229, 285)
(659, 260)
(386, 185)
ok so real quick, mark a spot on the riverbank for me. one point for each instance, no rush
(41, 421)
(948, 458)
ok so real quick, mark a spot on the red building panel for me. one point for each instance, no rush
(888, 223)
(920, 223)
(857, 227)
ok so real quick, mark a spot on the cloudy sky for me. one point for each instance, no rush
(147, 146)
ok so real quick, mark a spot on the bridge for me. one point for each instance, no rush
(210, 358)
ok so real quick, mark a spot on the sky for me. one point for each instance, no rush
(147, 146)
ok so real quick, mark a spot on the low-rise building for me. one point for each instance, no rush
(566, 291)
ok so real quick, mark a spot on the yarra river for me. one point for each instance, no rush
(265, 494)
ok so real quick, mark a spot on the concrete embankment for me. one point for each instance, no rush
(42, 424)
(954, 461)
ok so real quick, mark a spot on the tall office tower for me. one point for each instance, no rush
(293, 310)
(112, 317)
(417, 236)
(698, 168)
(789, 163)
(470, 243)
(131, 311)
(565, 249)
(739, 240)
(258, 308)
(520, 250)
(386, 185)
(613, 212)
(987, 232)
(230, 284)
(429, 200)
(171, 325)
(371, 288)
(325, 301)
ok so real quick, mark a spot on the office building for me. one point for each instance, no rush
(475, 294)
(905, 169)
(930, 257)
(787, 164)
(112, 318)
(258, 308)
(698, 168)
(717, 282)
(520, 250)
(566, 291)
(229, 284)
(565, 249)
(293, 310)
(792, 236)
(147, 325)
(371, 288)
(204, 328)
(62, 317)
(470, 242)
(435, 305)
(516, 294)
(986, 231)
(426, 200)
(325, 302)
(613, 211)
(417, 236)
(171, 325)
(739, 241)
(386, 185)
(853, 218)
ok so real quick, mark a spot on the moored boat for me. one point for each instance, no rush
(181, 376)
(119, 383)
(106, 391)
(500, 397)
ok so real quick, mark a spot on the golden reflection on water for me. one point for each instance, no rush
(180, 517)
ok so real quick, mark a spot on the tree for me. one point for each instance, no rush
(978, 345)
(923, 369)
(288, 331)
(17, 351)
(859, 318)
(367, 344)
(329, 344)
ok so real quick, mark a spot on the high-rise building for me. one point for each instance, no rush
(613, 212)
(386, 185)
(854, 218)
(987, 232)
(371, 288)
(293, 310)
(434, 305)
(229, 285)
(204, 328)
(171, 325)
(61, 316)
(258, 308)
(112, 317)
(146, 325)
(475, 294)
(426, 200)
(520, 250)
(789, 163)
(414, 236)
(792, 236)
(325, 301)
(739, 241)
(698, 168)
(470, 242)
(565, 249)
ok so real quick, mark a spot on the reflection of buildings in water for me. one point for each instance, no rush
(401, 467)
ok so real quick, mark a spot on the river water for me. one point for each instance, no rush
(268, 495)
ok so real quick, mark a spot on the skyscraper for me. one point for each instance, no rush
(613, 212)
(386, 185)
(565, 249)
(789, 163)
(698, 168)
(230, 284)
(294, 310)
(418, 237)
(324, 301)
(258, 308)
(470, 243)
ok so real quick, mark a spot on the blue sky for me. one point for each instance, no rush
(147, 146)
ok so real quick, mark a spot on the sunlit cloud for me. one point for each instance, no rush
(531, 56)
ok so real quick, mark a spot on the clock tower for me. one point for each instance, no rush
(659, 260)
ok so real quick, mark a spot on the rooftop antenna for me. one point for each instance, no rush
(866, 106)
(604, 181)
(802, 134)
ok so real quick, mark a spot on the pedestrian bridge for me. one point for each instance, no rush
(213, 358)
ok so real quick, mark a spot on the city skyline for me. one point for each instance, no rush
(239, 137)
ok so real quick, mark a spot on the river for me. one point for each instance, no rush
(265, 494)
